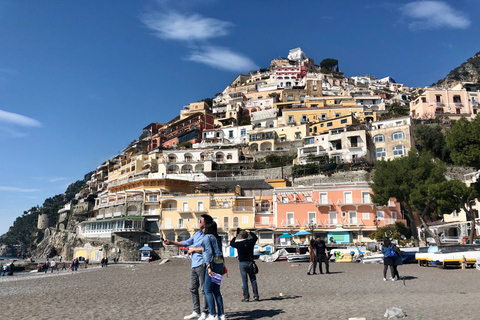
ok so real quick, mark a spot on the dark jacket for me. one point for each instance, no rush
(245, 247)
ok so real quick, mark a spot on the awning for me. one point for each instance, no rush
(146, 248)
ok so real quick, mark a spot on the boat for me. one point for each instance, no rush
(298, 257)
(449, 255)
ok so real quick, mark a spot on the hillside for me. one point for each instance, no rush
(469, 71)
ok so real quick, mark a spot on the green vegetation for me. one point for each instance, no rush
(328, 65)
(244, 121)
(464, 142)
(394, 231)
(432, 139)
(186, 145)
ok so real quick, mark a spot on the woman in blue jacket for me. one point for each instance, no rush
(213, 259)
(387, 260)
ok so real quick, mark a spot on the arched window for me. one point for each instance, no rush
(399, 135)
(183, 236)
(378, 138)
(399, 150)
(170, 236)
(380, 153)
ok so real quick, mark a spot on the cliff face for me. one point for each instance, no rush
(468, 71)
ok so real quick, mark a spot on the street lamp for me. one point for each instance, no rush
(375, 222)
(311, 225)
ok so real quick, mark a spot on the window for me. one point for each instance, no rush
(378, 138)
(243, 132)
(291, 119)
(399, 135)
(290, 97)
(394, 215)
(457, 99)
(365, 197)
(151, 210)
(323, 198)
(302, 98)
(225, 204)
(153, 198)
(424, 99)
(253, 137)
(366, 216)
(312, 217)
(308, 198)
(168, 223)
(265, 220)
(352, 215)
(309, 141)
(245, 220)
(304, 117)
(314, 88)
(347, 196)
(438, 98)
(380, 215)
(324, 116)
(380, 153)
(235, 222)
(399, 150)
(265, 206)
(329, 124)
(343, 121)
(298, 136)
(230, 134)
(225, 223)
(185, 207)
(200, 206)
(332, 217)
(284, 199)
(290, 220)
(180, 222)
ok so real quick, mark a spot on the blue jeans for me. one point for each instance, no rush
(212, 291)
(246, 269)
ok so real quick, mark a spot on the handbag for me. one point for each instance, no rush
(254, 267)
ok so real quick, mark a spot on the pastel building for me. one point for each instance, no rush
(457, 102)
(329, 208)
(392, 138)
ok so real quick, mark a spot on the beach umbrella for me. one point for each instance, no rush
(301, 233)
(285, 235)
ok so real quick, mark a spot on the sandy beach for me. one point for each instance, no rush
(160, 291)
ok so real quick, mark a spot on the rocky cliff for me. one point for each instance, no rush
(468, 71)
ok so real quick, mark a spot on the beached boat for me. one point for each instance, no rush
(449, 255)
(298, 257)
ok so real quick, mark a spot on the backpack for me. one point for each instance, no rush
(392, 253)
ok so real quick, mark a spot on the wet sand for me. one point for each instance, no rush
(160, 291)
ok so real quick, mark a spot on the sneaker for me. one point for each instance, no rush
(256, 299)
(203, 316)
(222, 317)
(309, 274)
(394, 279)
(194, 315)
(210, 317)
(314, 273)
(384, 279)
(245, 300)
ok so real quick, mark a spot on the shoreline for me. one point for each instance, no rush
(161, 291)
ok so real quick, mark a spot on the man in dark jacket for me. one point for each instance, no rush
(245, 258)
(322, 253)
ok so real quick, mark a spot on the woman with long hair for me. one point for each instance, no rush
(312, 249)
(213, 259)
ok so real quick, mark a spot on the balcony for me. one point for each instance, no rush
(315, 223)
(199, 210)
(184, 210)
(290, 224)
(242, 209)
(174, 227)
(390, 221)
(320, 203)
(352, 222)
(353, 202)
(227, 206)
(169, 209)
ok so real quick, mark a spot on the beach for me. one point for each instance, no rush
(160, 291)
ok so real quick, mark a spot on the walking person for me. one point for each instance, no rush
(52, 265)
(322, 254)
(213, 260)
(312, 249)
(397, 261)
(245, 257)
(387, 259)
(197, 273)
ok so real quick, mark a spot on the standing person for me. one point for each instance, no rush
(397, 261)
(106, 262)
(387, 260)
(245, 258)
(64, 267)
(60, 259)
(103, 262)
(52, 265)
(76, 264)
(312, 249)
(197, 273)
(45, 266)
(322, 253)
(213, 260)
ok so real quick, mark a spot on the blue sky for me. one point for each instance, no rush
(80, 79)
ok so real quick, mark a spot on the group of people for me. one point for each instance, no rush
(208, 265)
(6, 269)
(104, 262)
(318, 254)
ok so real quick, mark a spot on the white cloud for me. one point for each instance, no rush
(55, 179)
(15, 189)
(222, 58)
(176, 26)
(18, 119)
(434, 15)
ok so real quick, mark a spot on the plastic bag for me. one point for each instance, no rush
(394, 313)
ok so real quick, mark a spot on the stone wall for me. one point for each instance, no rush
(341, 177)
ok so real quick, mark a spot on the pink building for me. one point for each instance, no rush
(457, 102)
(330, 208)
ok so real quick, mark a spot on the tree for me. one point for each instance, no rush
(413, 181)
(394, 231)
(432, 139)
(329, 64)
(464, 142)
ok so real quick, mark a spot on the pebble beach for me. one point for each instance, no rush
(160, 291)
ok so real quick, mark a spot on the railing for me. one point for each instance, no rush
(320, 203)
(174, 227)
(149, 213)
(315, 223)
(290, 224)
(352, 222)
(220, 207)
(182, 210)
(199, 210)
(329, 223)
(169, 209)
(242, 209)
(352, 201)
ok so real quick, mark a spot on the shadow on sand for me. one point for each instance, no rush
(254, 314)
(281, 298)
